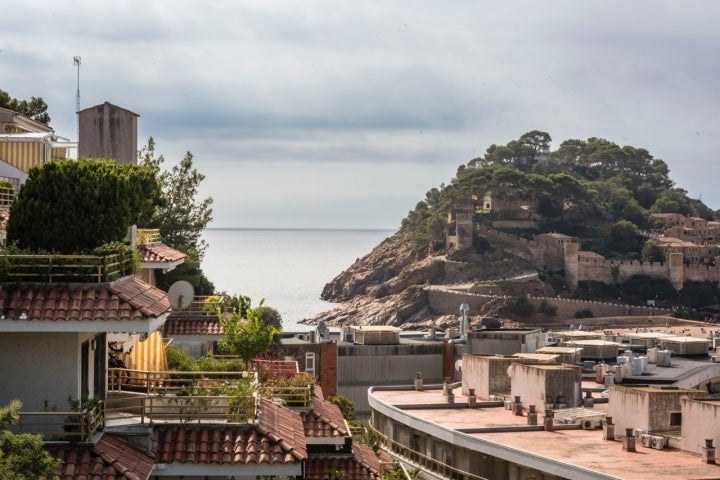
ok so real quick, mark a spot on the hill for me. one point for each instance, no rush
(603, 196)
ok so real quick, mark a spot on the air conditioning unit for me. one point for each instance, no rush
(646, 440)
(658, 443)
(638, 431)
(591, 424)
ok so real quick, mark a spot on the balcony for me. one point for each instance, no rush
(65, 268)
(145, 397)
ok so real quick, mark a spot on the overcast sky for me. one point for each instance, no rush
(344, 114)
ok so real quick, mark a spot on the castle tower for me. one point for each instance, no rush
(676, 273)
(571, 251)
(460, 227)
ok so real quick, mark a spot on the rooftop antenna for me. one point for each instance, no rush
(76, 62)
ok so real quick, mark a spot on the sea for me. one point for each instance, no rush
(285, 268)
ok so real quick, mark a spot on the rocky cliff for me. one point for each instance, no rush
(389, 286)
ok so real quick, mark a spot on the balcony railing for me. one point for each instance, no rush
(138, 396)
(65, 268)
(145, 236)
(423, 461)
(63, 426)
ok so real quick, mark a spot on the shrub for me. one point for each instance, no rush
(547, 308)
(585, 313)
(521, 306)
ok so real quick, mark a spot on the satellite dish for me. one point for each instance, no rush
(181, 294)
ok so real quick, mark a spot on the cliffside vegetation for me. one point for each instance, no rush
(593, 189)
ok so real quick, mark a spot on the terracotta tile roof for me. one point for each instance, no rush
(277, 368)
(283, 424)
(126, 299)
(324, 420)
(109, 459)
(216, 444)
(159, 253)
(199, 325)
(362, 465)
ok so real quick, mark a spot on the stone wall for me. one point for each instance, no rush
(447, 302)
(554, 253)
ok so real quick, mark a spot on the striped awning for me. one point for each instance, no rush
(148, 354)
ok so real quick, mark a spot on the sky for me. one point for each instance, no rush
(343, 114)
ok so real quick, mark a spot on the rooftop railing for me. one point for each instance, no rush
(145, 236)
(65, 268)
(70, 426)
(423, 461)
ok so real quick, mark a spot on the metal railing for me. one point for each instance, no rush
(423, 461)
(64, 268)
(168, 382)
(181, 408)
(146, 236)
(62, 426)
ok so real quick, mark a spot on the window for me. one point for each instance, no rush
(310, 362)
(675, 419)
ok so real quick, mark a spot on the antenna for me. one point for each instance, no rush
(76, 62)
(181, 294)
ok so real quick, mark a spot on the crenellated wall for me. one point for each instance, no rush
(557, 252)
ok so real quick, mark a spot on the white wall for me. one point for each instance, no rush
(39, 367)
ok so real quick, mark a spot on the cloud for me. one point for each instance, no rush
(288, 92)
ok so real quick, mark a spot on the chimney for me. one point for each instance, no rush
(708, 453)
(418, 381)
(548, 421)
(472, 399)
(532, 415)
(517, 406)
(608, 429)
(629, 441)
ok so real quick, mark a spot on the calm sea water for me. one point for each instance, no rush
(287, 268)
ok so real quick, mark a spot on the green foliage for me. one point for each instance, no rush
(583, 188)
(93, 203)
(584, 313)
(521, 306)
(35, 108)
(247, 337)
(547, 308)
(181, 216)
(651, 252)
(179, 359)
(346, 406)
(22, 456)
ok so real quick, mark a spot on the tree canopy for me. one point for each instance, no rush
(35, 108)
(180, 216)
(247, 335)
(72, 207)
(582, 188)
(22, 456)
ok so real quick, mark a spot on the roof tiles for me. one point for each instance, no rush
(127, 299)
(362, 465)
(159, 253)
(324, 420)
(216, 444)
(109, 459)
(200, 325)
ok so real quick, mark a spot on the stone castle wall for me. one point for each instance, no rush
(555, 254)
(447, 302)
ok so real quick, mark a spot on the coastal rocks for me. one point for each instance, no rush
(384, 263)
(389, 286)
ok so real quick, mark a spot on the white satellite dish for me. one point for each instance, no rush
(181, 294)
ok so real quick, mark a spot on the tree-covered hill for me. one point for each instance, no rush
(593, 189)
